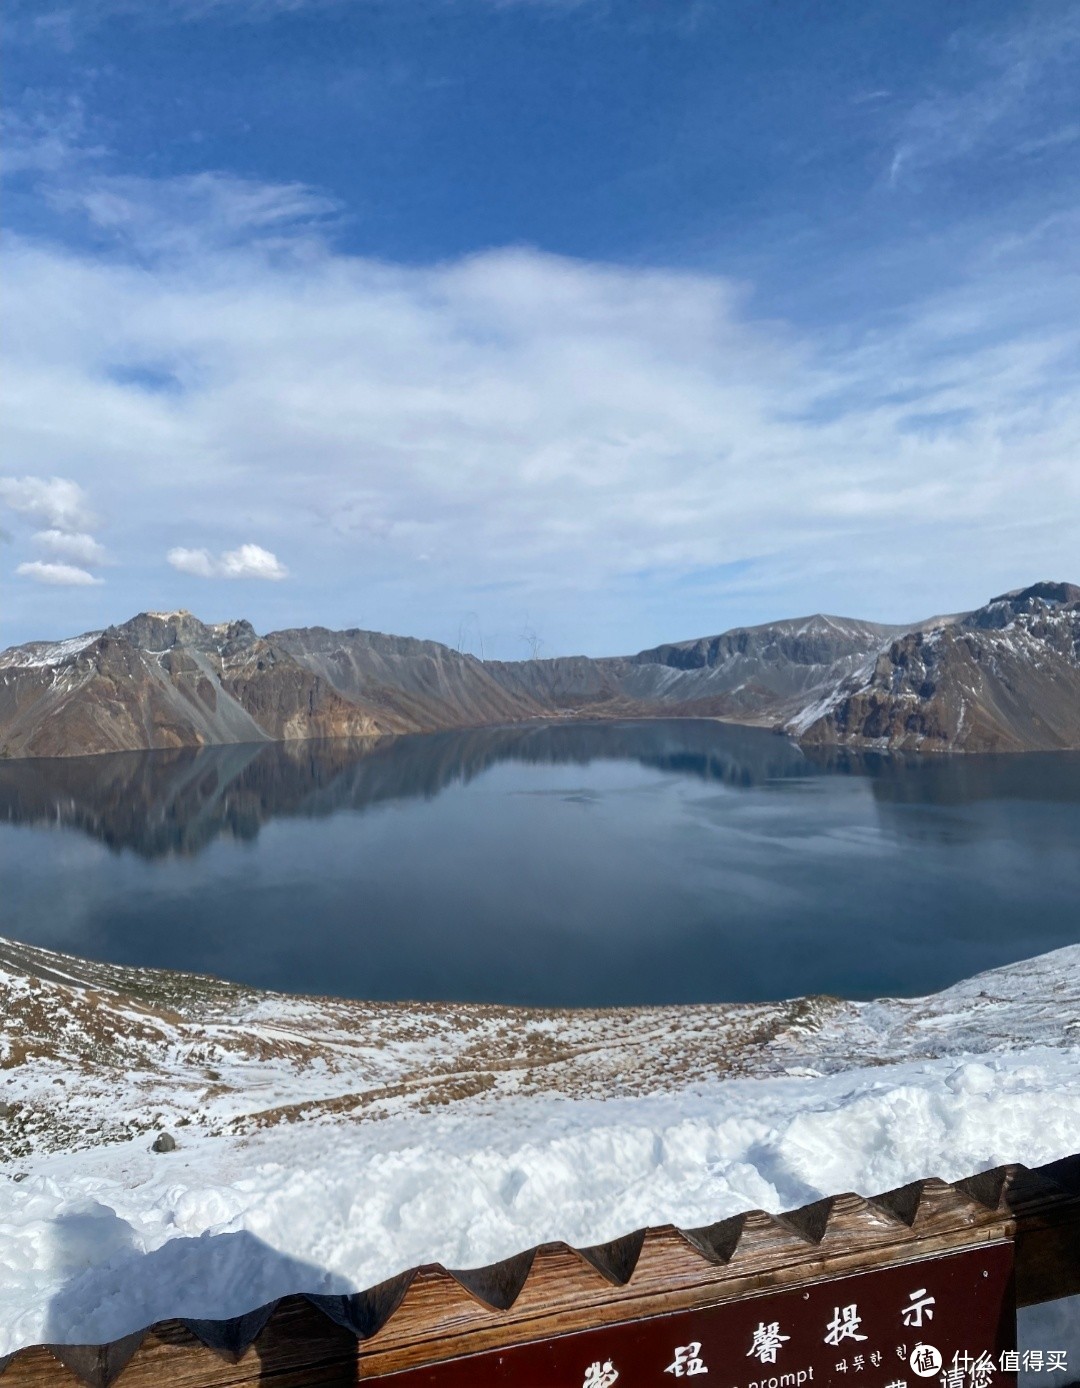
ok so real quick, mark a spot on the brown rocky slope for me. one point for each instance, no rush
(1005, 678)
(167, 680)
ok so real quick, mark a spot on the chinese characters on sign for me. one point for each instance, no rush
(945, 1322)
(766, 1343)
(920, 1305)
(844, 1325)
(687, 1361)
(916, 1310)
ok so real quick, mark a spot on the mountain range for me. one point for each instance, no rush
(1005, 677)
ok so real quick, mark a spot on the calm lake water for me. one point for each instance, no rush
(577, 864)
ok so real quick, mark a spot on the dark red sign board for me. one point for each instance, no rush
(946, 1322)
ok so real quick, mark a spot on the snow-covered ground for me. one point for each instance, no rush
(325, 1146)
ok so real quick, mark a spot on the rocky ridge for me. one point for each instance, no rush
(168, 680)
(1005, 677)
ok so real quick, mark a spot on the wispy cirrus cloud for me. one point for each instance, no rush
(555, 426)
(1008, 91)
(45, 137)
(61, 25)
(171, 216)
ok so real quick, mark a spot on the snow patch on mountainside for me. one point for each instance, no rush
(41, 653)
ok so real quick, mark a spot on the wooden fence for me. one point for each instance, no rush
(844, 1288)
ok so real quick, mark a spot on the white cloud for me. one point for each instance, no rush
(248, 561)
(192, 561)
(252, 561)
(57, 500)
(559, 428)
(57, 575)
(70, 548)
(76, 546)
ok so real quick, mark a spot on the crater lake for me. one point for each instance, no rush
(553, 864)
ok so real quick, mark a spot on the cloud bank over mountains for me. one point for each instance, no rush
(521, 417)
(607, 451)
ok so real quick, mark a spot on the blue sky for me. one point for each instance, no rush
(601, 323)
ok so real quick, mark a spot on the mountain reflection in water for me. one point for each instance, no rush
(550, 863)
(179, 801)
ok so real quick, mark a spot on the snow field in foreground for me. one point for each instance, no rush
(97, 1243)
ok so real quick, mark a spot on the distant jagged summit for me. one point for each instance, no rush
(1047, 591)
(1005, 677)
(1000, 611)
(159, 631)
